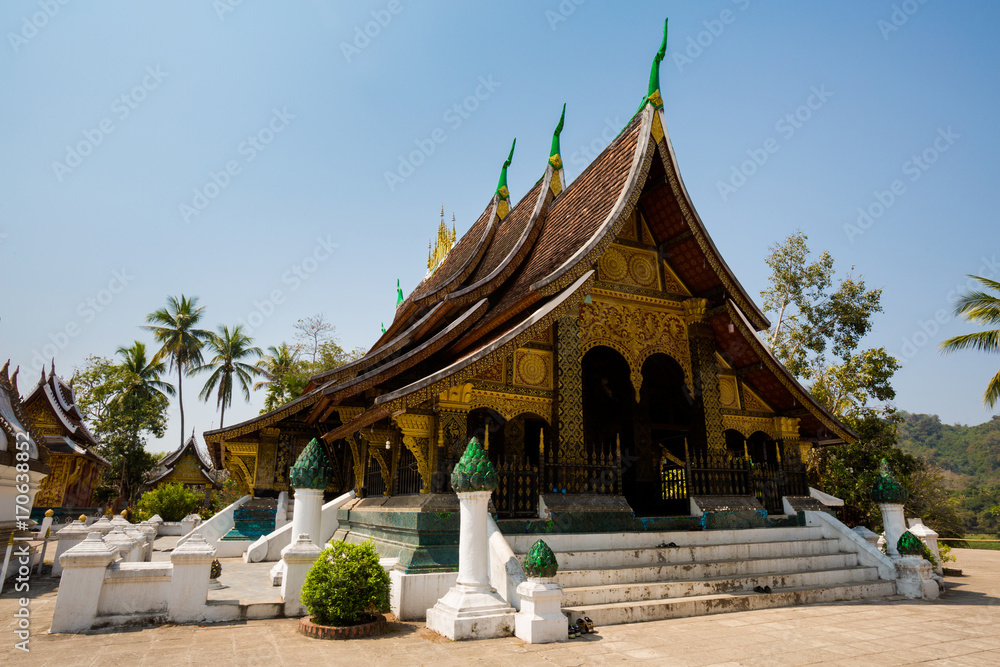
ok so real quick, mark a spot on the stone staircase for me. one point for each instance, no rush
(626, 577)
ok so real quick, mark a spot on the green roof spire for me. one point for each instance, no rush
(653, 94)
(311, 469)
(555, 159)
(399, 294)
(504, 206)
(383, 326)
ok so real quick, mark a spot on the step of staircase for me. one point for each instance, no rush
(627, 577)
(615, 613)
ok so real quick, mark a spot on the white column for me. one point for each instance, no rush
(149, 532)
(540, 620)
(80, 588)
(68, 537)
(895, 525)
(928, 537)
(473, 557)
(308, 514)
(192, 565)
(472, 609)
(298, 558)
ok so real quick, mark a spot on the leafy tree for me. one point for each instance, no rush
(818, 316)
(172, 502)
(819, 323)
(980, 307)
(174, 329)
(274, 368)
(228, 368)
(122, 415)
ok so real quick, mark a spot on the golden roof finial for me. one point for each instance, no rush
(441, 246)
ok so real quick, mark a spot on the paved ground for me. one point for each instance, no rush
(959, 629)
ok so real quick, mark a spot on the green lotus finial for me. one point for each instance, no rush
(502, 183)
(653, 94)
(399, 294)
(474, 471)
(555, 159)
(540, 561)
(887, 488)
(311, 469)
(909, 545)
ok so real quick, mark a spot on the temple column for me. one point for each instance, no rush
(569, 391)
(309, 476)
(417, 432)
(472, 609)
(708, 404)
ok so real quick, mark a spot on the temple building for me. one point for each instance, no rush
(76, 467)
(187, 466)
(591, 335)
(22, 459)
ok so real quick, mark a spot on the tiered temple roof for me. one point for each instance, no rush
(52, 405)
(512, 274)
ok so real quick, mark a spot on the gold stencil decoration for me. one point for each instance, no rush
(647, 236)
(642, 269)
(492, 374)
(533, 368)
(636, 333)
(628, 229)
(613, 265)
(671, 283)
(752, 401)
(727, 392)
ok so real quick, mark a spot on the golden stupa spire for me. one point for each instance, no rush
(442, 245)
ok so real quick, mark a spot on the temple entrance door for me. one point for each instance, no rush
(608, 410)
(662, 420)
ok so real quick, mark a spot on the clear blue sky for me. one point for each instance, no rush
(154, 98)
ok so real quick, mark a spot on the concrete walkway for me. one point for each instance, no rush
(958, 629)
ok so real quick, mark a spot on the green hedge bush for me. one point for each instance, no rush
(171, 501)
(346, 585)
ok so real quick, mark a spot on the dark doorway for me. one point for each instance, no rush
(663, 409)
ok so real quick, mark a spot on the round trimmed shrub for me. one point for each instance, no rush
(346, 585)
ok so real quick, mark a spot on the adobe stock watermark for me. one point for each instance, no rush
(914, 168)
(223, 7)
(900, 14)
(30, 25)
(695, 46)
(586, 154)
(86, 312)
(293, 277)
(787, 125)
(248, 149)
(562, 12)
(364, 34)
(453, 116)
(122, 107)
(928, 329)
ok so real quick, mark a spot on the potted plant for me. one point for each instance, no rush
(345, 592)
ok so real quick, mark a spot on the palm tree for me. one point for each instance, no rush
(274, 367)
(983, 308)
(230, 348)
(142, 376)
(173, 328)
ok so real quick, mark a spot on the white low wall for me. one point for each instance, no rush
(171, 528)
(412, 595)
(852, 542)
(268, 547)
(506, 572)
(213, 529)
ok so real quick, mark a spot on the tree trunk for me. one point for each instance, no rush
(180, 399)
(222, 417)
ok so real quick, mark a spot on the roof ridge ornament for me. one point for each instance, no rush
(558, 182)
(653, 94)
(503, 206)
(399, 294)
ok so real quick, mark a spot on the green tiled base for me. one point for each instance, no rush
(421, 530)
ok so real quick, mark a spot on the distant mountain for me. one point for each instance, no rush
(969, 451)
